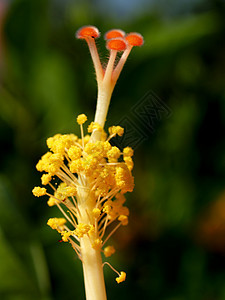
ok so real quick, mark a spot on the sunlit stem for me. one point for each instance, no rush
(105, 89)
(91, 258)
(104, 96)
(93, 272)
(119, 67)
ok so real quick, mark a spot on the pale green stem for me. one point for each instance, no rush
(104, 96)
(91, 258)
(93, 271)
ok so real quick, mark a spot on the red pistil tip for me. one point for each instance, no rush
(87, 31)
(134, 39)
(114, 33)
(118, 44)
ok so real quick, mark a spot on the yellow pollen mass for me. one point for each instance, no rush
(108, 251)
(64, 191)
(123, 219)
(91, 231)
(121, 278)
(97, 244)
(82, 229)
(129, 162)
(74, 152)
(46, 178)
(113, 153)
(81, 119)
(94, 126)
(38, 191)
(124, 179)
(116, 130)
(76, 166)
(52, 201)
(128, 151)
(56, 223)
(59, 143)
(66, 235)
(86, 139)
(96, 212)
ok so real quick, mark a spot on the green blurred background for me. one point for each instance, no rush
(174, 246)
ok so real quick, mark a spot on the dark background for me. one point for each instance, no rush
(174, 245)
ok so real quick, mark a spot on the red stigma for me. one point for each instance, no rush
(135, 39)
(118, 44)
(87, 31)
(114, 33)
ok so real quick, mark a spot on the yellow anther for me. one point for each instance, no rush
(109, 250)
(121, 278)
(129, 162)
(116, 130)
(97, 244)
(66, 235)
(107, 146)
(59, 143)
(124, 179)
(38, 191)
(97, 148)
(128, 151)
(50, 163)
(74, 152)
(85, 139)
(81, 119)
(94, 126)
(113, 153)
(104, 136)
(82, 229)
(123, 219)
(42, 162)
(46, 178)
(120, 199)
(71, 191)
(64, 191)
(76, 166)
(123, 210)
(96, 212)
(91, 231)
(52, 201)
(52, 140)
(107, 207)
(56, 223)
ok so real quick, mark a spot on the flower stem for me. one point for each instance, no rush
(91, 258)
(103, 101)
(93, 271)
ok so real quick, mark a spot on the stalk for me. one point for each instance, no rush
(103, 101)
(93, 271)
(80, 191)
(91, 258)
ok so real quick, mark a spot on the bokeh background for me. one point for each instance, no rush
(174, 246)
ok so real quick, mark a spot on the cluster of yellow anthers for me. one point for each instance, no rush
(93, 174)
(94, 177)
